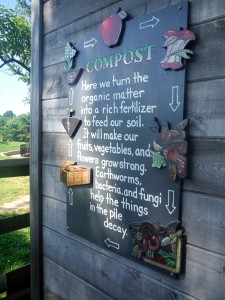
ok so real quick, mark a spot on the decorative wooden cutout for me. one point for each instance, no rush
(158, 245)
(175, 43)
(71, 174)
(71, 124)
(170, 149)
(71, 74)
(110, 29)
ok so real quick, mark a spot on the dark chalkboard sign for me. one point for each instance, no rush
(120, 91)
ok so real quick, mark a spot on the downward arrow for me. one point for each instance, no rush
(170, 206)
(175, 101)
(109, 243)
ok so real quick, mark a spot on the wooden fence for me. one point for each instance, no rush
(17, 282)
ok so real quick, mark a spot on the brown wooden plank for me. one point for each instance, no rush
(2, 283)
(58, 14)
(18, 281)
(206, 166)
(104, 270)
(55, 148)
(137, 285)
(55, 11)
(204, 222)
(205, 107)
(14, 167)
(35, 159)
(14, 223)
(208, 59)
(69, 286)
(53, 113)
(49, 295)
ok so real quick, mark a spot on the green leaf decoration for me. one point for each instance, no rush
(170, 40)
(183, 53)
(134, 251)
(158, 160)
(138, 236)
(171, 263)
(167, 255)
(149, 253)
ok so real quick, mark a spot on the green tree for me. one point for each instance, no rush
(16, 129)
(15, 41)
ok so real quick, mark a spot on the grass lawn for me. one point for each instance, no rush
(13, 187)
(8, 146)
(14, 246)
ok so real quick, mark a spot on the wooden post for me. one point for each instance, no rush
(35, 155)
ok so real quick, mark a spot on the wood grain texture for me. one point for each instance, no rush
(107, 274)
(205, 107)
(59, 13)
(206, 166)
(55, 148)
(53, 113)
(69, 286)
(208, 59)
(52, 186)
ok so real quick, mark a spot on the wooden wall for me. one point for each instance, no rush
(74, 268)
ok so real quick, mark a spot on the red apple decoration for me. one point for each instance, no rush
(111, 28)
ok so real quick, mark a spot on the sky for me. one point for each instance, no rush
(12, 90)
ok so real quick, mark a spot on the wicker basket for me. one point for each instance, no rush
(71, 174)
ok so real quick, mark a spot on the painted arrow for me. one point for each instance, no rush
(150, 23)
(175, 98)
(70, 193)
(109, 243)
(71, 92)
(90, 43)
(70, 147)
(170, 206)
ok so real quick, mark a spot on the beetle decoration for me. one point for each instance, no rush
(170, 149)
(157, 244)
(175, 43)
(71, 74)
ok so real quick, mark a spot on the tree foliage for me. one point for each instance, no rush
(13, 128)
(15, 43)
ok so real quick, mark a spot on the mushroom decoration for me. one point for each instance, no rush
(175, 43)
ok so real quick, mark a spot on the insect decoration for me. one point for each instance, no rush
(71, 124)
(170, 149)
(71, 74)
(110, 28)
(157, 244)
(175, 43)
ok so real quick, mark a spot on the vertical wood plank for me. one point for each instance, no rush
(35, 159)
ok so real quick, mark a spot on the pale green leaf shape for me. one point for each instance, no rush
(158, 160)
(183, 53)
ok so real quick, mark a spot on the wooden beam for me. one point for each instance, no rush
(14, 223)
(14, 167)
(35, 151)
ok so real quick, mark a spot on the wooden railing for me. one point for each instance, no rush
(15, 283)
